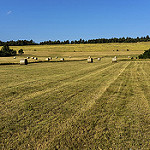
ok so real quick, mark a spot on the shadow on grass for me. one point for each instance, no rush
(134, 60)
(43, 62)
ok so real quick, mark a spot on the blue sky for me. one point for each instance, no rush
(43, 20)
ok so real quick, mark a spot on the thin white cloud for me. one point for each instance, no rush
(9, 12)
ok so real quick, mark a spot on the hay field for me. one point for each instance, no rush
(79, 51)
(75, 104)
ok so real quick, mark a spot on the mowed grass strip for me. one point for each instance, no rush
(119, 120)
(18, 86)
(16, 110)
(91, 107)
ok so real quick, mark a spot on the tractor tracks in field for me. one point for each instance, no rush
(142, 94)
(75, 79)
(63, 82)
(63, 127)
(141, 83)
(54, 85)
(55, 103)
(19, 100)
(140, 103)
(85, 70)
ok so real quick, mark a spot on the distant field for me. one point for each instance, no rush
(80, 51)
(75, 104)
(88, 47)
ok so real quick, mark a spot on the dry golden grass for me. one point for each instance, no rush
(79, 51)
(75, 104)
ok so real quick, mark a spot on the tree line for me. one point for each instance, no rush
(81, 41)
(18, 43)
(101, 40)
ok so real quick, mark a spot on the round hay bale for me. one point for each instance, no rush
(32, 57)
(47, 59)
(90, 60)
(56, 57)
(132, 58)
(23, 62)
(61, 59)
(50, 58)
(89, 56)
(98, 59)
(114, 59)
(36, 58)
(14, 57)
(28, 57)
